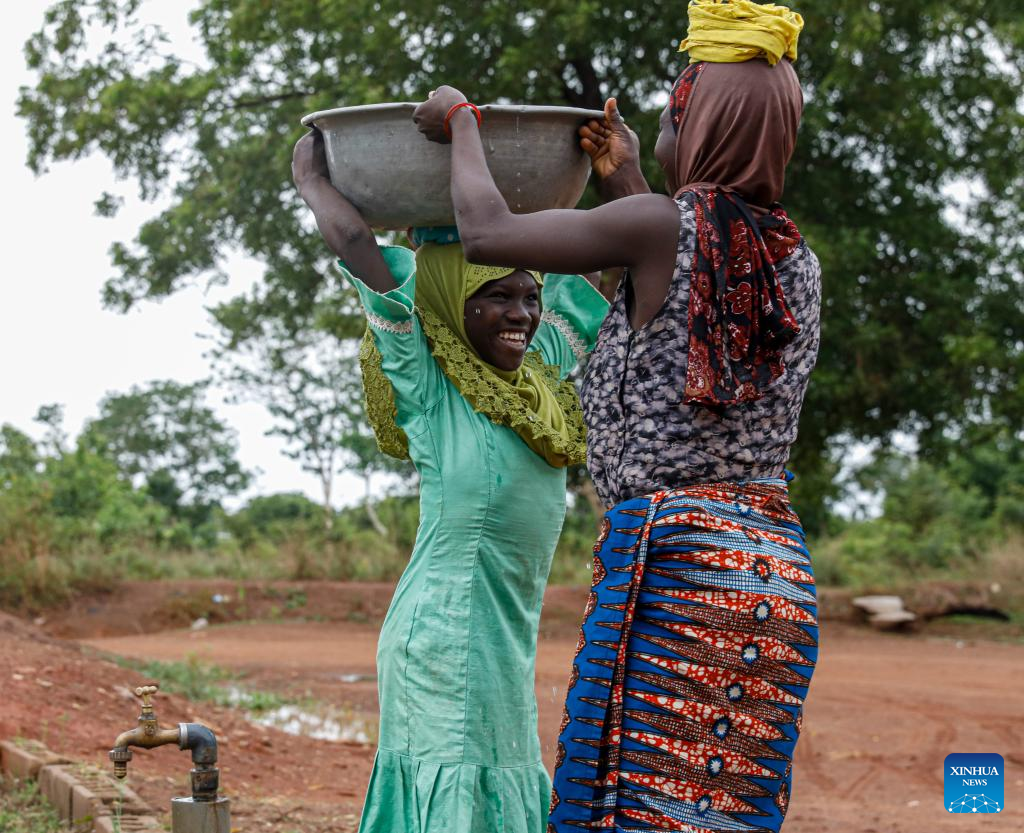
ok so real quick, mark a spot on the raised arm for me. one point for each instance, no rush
(341, 225)
(639, 232)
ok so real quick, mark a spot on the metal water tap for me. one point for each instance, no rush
(193, 736)
(146, 735)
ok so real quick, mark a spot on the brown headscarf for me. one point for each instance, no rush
(736, 127)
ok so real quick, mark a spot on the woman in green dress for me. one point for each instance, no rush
(465, 369)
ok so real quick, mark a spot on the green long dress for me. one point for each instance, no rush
(459, 751)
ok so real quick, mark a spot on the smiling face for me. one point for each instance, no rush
(501, 319)
(665, 150)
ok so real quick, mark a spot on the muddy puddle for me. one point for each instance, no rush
(312, 720)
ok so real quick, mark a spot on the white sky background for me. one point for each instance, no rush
(57, 343)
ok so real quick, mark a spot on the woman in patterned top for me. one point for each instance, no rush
(465, 374)
(700, 633)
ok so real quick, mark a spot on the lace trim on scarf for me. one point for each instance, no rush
(379, 395)
(482, 392)
(576, 342)
(484, 395)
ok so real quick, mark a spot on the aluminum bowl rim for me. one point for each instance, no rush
(512, 109)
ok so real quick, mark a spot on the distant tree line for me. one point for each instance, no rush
(140, 494)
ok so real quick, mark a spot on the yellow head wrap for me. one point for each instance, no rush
(723, 32)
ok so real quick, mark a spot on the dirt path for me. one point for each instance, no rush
(884, 711)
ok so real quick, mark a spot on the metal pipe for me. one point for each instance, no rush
(189, 816)
(203, 743)
(205, 811)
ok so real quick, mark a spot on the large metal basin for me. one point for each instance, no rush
(397, 179)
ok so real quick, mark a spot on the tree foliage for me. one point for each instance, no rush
(310, 384)
(938, 519)
(18, 454)
(165, 436)
(906, 103)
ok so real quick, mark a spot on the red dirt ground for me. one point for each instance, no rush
(883, 712)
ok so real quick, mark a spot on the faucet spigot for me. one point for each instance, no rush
(146, 735)
(195, 737)
(120, 755)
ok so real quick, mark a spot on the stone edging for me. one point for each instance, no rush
(88, 799)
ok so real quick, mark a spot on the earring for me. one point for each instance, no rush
(477, 310)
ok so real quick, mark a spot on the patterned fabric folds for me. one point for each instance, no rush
(643, 436)
(679, 98)
(697, 647)
(739, 321)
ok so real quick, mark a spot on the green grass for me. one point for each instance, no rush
(204, 682)
(969, 626)
(24, 810)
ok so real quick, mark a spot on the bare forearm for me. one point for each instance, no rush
(346, 234)
(479, 205)
(557, 240)
(625, 182)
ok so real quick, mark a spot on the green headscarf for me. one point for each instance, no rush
(532, 401)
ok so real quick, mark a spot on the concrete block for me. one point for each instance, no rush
(128, 802)
(99, 784)
(127, 824)
(86, 807)
(18, 762)
(879, 605)
(56, 781)
(893, 620)
(24, 759)
(111, 793)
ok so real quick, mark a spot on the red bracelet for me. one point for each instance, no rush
(451, 112)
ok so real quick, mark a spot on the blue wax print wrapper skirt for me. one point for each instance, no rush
(698, 643)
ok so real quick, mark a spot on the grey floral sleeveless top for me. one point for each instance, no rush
(643, 437)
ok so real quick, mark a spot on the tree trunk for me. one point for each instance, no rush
(589, 94)
(326, 486)
(371, 512)
(590, 494)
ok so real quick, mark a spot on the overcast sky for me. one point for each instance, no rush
(57, 343)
